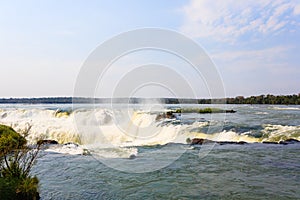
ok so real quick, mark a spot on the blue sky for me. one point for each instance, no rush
(254, 44)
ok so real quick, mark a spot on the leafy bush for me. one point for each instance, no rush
(19, 189)
(10, 140)
(16, 161)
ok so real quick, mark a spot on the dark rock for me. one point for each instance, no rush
(231, 142)
(266, 142)
(289, 141)
(132, 156)
(230, 111)
(200, 141)
(45, 142)
(197, 141)
(283, 142)
(167, 115)
(292, 140)
(203, 141)
(71, 144)
(170, 115)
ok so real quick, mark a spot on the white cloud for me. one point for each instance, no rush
(258, 71)
(270, 59)
(297, 10)
(262, 54)
(227, 20)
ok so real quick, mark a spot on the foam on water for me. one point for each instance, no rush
(284, 108)
(261, 113)
(226, 136)
(71, 149)
(45, 124)
(276, 133)
(120, 152)
(101, 129)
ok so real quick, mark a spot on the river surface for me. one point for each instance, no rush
(127, 152)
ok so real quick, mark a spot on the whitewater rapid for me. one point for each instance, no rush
(103, 128)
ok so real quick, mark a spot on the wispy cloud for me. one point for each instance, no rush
(272, 60)
(297, 10)
(228, 20)
(262, 54)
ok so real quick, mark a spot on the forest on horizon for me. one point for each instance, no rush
(261, 99)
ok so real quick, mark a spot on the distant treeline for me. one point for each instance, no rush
(266, 99)
(262, 99)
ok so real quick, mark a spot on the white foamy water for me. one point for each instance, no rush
(71, 149)
(46, 124)
(284, 108)
(93, 127)
(275, 133)
(103, 129)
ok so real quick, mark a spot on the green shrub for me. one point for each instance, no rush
(19, 189)
(10, 140)
(16, 161)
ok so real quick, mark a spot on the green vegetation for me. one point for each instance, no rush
(266, 99)
(261, 99)
(16, 161)
(202, 110)
(170, 114)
